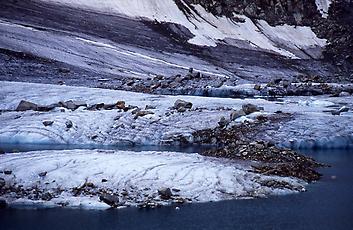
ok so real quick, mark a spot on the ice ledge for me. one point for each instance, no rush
(77, 178)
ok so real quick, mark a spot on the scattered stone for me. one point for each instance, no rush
(26, 105)
(7, 172)
(236, 114)
(72, 105)
(257, 87)
(142, 113)
(165, 193)
(69, 124)
(223, 122)
(48, 123)
(104, 180)
(42, 174)
(182, 104)
(150, 107)
(250, 108)
(120, 105)
(110, 200)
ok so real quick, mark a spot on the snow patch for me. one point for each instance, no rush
(323, 6)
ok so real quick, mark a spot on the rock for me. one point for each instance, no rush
(47, 196)
(73, 105)
(165, 193)
(3, 204)
(181, 103)
(69, 124)
(110, 200)
(46, 108)
(236, 114)
(26, 105)
(42, 174)
(48, 123)
(120, 104)
(343, 109)
(257, 87)
(223, 122)
(7, 172)
(344, 94)
(104, 180)
(181, 110)
(250, 108)
(150, 107)
(142, 113)
(2, 182)
(2, 151)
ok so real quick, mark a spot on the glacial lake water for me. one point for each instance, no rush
(328, 204)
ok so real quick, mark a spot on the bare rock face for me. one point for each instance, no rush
(299, 12)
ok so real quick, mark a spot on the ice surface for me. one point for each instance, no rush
(141, 174)
(312, 120)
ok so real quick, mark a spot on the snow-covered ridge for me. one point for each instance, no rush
(139, 174)
(208, 29)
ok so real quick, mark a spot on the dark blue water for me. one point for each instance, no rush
(328, 204)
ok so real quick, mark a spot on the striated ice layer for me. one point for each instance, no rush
(140, 174)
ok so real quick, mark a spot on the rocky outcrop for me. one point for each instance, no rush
(298, 12)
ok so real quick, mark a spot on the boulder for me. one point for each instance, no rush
(110, 200)
(165, 193)
(250, 108)
(26, 105)
(69, 124)
(142, 113)
(223, 122)
(46, 108)
(48, 123)
(182, 104)
(120, 105)
(73, 105)
(236, 114)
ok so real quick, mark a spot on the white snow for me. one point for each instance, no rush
(323, 6)
(209, 29)
(141, 174)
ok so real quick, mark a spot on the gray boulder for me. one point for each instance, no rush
(165, 193)
(73, 105)
(250, 108)
(182, 104)
(48, 123)
(236, 114)
(26, 105)
(110, 200)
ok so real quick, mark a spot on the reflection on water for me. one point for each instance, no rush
(328, 204)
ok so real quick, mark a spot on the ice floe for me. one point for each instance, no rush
(134, 177)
